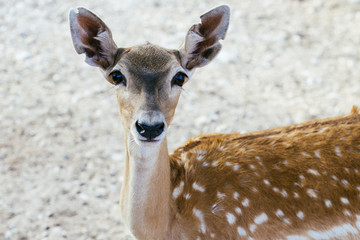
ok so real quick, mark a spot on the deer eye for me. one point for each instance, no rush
(179, 79)
(117, 77)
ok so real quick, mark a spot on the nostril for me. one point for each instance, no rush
(159, 127)
(149, 131)
(139, 128)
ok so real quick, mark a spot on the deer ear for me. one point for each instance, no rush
(202, 40)
(91, 36)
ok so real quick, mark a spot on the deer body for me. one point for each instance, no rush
(297, 182)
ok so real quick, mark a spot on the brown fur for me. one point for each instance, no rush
(279, 156)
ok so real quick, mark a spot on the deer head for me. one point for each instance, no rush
(149, 78)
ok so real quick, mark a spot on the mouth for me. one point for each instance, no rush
(149, 140)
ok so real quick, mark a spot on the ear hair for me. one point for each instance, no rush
(202, 40)
(91, 36)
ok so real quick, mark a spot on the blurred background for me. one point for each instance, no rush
(61, 142)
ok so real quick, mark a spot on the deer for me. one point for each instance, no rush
(296, 182)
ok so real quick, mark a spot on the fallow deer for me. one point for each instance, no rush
(296, 182)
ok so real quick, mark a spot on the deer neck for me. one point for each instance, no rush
(145, 194)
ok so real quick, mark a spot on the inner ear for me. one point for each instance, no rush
(202, 40)
(91, 36)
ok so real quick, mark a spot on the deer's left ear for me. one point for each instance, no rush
(202, 40)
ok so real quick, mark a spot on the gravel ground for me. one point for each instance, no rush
(61, 142)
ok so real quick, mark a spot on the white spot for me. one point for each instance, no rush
(287, 221)
(254, 189)
(358, 188)
(347, 213)
(252, 227)
(313, 172)
(296, 237)
(296, 195)
(261, 218)
(302, 178)
(334, 177)
(245, 202)
(197, 187)
(311, 193)
(252, 166)
(280, 213)
(187, 196)
(344, 200)
(228, 163)
(337, 151)
(258, 158)
(300, 214)
(328, 203)
(236, 195)
(212, 235)
(230, 218)
(220, 195)
(347, 170)
(345, 182)
(236, 167)
(305, 154)
(275, 189)
(356, 171)
(214, 163)
(284, 193)
(241, 231)
(238, 210)
(178, 190)
(317, 154)
(200, 216)
(285, 162)
(205, 164)
(198, 238)
(267, 182)
(199, 157)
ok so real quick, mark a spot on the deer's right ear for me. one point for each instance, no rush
(91, 36)
(202, 40)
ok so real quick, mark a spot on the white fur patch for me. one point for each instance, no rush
(238, 210)
(328, 203)
(311, 193)
(200, 216)
(279, 213)
(241, 231)
(344, 200)
(197, 187)
(245, 202)
(313, 172)
(337, 151)
(178, 190)
(300, 214)
(230, 218)
(335, 232)
(261, 218)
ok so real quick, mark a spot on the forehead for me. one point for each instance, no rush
(149, 58)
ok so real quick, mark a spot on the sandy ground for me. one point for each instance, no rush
(61, 143)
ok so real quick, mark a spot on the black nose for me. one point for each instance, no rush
(149, 131)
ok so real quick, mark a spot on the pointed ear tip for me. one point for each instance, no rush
(225, 8)
(77, 10)
(73, 12)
